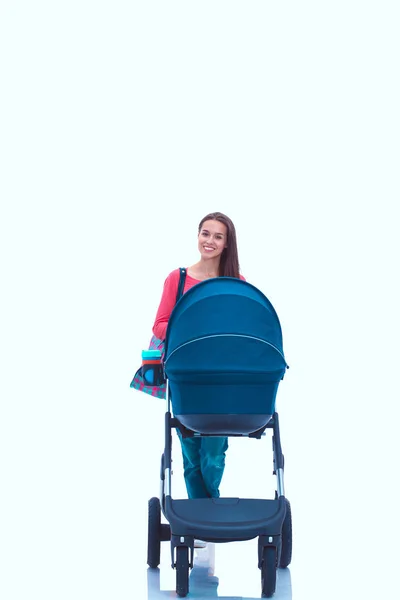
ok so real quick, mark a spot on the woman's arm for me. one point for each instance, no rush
(167, 303)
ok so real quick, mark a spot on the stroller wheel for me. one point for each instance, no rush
(182, 571)
(268, 571)
(286, 551)
(153, 533)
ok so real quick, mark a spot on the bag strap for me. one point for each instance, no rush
(181, 284)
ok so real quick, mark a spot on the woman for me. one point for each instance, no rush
(203, 457)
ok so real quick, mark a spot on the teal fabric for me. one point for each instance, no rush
(203, 464)
(223, 345)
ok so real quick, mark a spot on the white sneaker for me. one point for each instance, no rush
(211, 559)
(205, 558)
(200, 544)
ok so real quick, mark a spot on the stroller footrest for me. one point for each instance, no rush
(225, 519)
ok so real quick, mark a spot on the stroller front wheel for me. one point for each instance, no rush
(182, 571)
(268, 571)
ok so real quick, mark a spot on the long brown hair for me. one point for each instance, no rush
(229, 262)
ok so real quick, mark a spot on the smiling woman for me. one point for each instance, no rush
(203, 457)
(218, 258)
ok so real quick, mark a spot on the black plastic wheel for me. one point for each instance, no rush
(182, 571)
(153, 533)
(286, 551)
(268, 571)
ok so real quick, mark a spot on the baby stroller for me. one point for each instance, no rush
(223, 362)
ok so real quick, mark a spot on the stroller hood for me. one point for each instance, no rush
(224, 346)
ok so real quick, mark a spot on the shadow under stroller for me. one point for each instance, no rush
(223, 362)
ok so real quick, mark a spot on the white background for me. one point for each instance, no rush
(122, 125)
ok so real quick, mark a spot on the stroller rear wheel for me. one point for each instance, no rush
(154, 533)
(182, 571)
(286, 551)
(268, 571)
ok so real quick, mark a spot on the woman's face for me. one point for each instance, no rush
(212, 239)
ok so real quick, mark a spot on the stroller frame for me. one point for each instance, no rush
(223, 339)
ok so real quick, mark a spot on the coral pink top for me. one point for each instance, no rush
(168, 300)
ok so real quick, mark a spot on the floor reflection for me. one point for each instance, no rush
(203, 583)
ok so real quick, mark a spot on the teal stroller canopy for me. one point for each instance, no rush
(224, 357)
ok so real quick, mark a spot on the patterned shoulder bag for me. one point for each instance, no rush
(138, 382)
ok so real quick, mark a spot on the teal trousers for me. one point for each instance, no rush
(203, 464)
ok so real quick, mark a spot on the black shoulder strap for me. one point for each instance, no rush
(181, 283)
